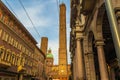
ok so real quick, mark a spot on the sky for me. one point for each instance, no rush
(45, 17)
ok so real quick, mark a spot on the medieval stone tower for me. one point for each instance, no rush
(62, 44)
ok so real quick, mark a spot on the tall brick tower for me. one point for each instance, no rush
(44, 45)
(62, 43)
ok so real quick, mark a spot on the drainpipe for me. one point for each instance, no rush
(114, 27)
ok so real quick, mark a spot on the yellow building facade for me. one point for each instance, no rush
(20, 58)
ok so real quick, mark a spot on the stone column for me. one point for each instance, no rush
(87, 67)
(101, 59)
(74, 68)
(112, 73)
(91, 65)
(20, 76)
(90, 68)
(79, 57)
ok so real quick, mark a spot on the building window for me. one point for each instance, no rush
(26, 51)
(10, 58)
(26, 61)
(1, 14)
(1, 52)
(0, 32)
(16, 61)
(10, 23)
(16, 44)
(3, 37)
(29, 54)
(6, 19)
(13, 61)
(19, 46)
(8, 55)
(22, 61)
(9, 39)
(23, 49)
(6, 37)
(14, 41)
(5, 55)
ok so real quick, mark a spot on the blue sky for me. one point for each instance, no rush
(45, 17)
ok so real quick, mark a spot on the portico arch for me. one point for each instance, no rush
(104, 35)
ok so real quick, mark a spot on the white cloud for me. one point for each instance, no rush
(35, 13)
